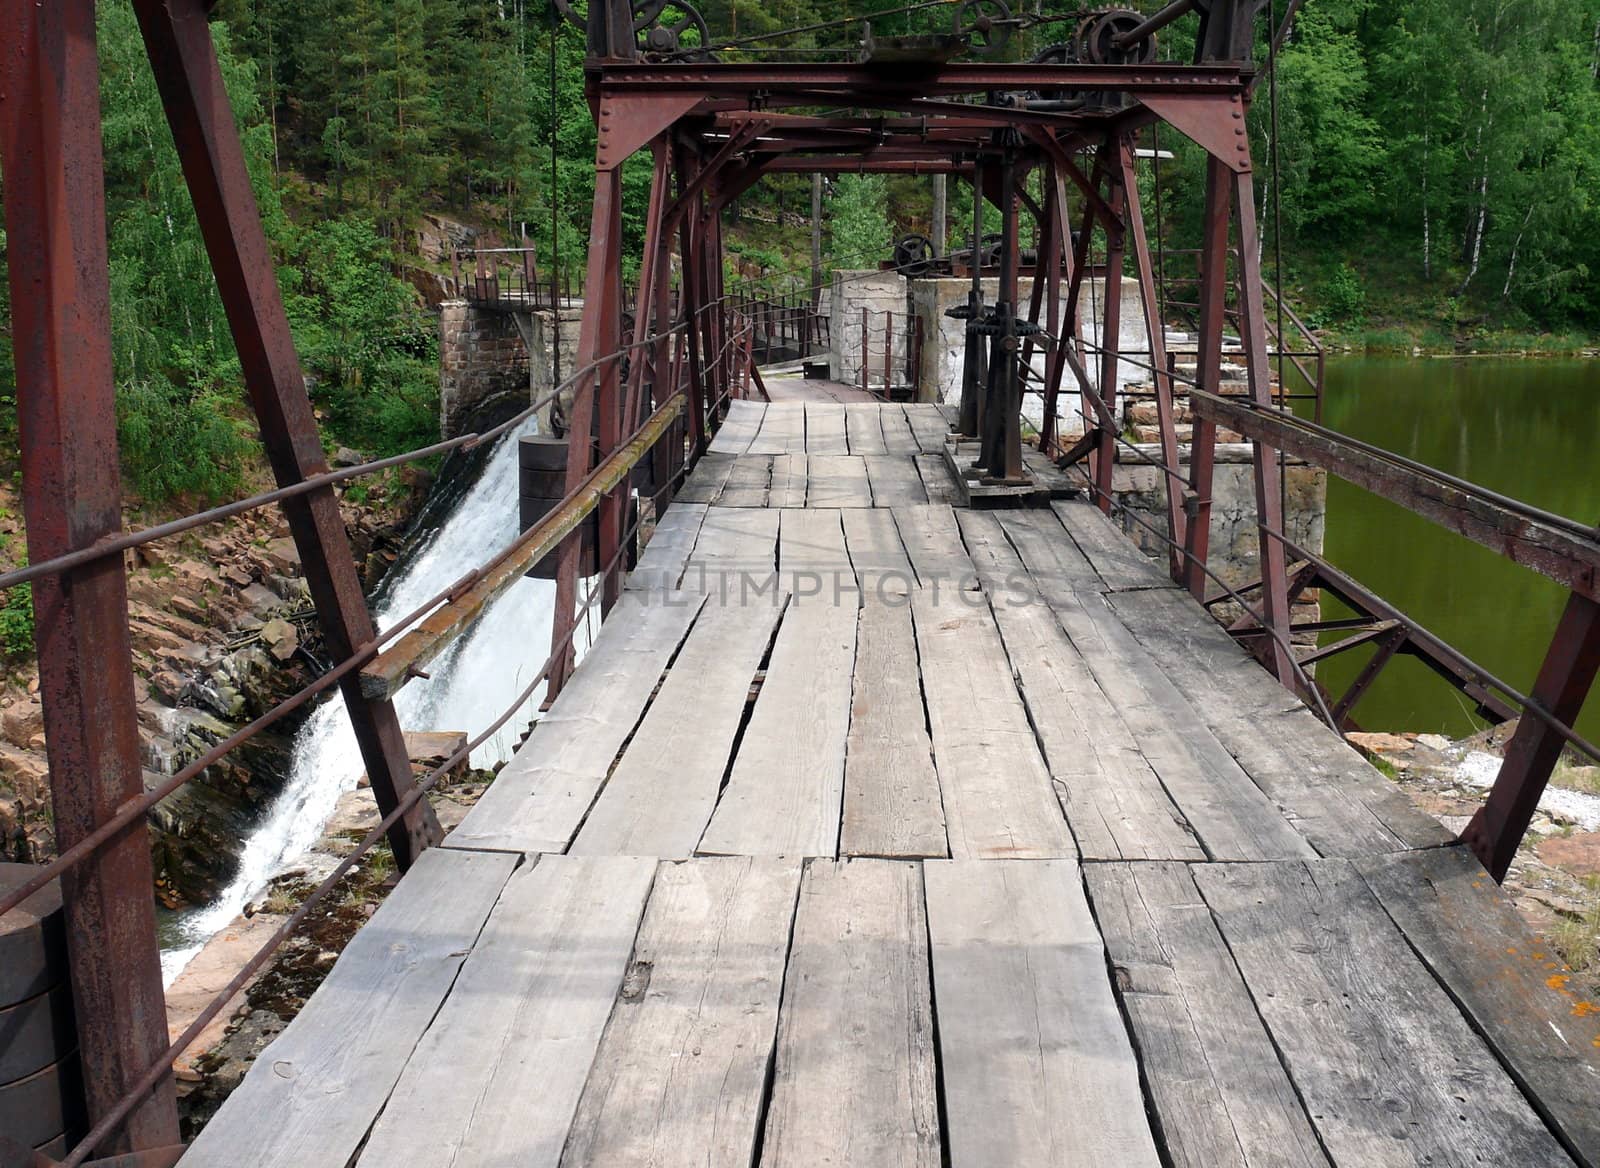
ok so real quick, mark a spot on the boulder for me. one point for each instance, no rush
(281, 639)
(21, 722)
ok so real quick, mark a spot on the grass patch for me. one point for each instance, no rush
(1384, 767)
(1577, 939)
(1576, 778)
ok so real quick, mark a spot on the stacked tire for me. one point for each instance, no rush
(41, 1087)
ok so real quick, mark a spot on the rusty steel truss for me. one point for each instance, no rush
(652, 393)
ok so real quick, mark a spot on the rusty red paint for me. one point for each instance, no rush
(66, 410)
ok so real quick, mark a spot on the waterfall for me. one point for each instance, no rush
(470, 684)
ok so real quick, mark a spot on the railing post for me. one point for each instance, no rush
(66, 412)
(178, 40)
(864, 348)
(888, 354)
(1561, 689)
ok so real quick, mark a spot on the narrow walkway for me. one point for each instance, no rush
(876, 832)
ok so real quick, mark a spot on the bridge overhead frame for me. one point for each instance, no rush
(712, 131)
(715, 129)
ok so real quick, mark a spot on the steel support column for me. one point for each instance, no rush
(1267, 461)
(1156, 329)
(1563, 685)
(1105, 454)
(66, 412)
(1208, 372)
(594, 402)
(178, 40)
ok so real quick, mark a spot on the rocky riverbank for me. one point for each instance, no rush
(222, 630)
(1555, 879)
(216, 1062)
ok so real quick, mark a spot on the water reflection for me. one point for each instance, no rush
(1527, 429)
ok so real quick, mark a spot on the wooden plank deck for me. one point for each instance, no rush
(990, 850)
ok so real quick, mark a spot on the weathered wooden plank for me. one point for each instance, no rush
(662, 793)
(1501, 976)
(666, 555)
(747, 481)
(892, 805)
(1050, 555)
(1113, 799)
(881, 565)
(783, 795)
(783, 430)
(497, 1078)
(936, 480)
(540, 797)
(898, 438)
(1035, 1060)
(1219, 1091)
(825, 428)
(854, 1081)
(895, 481)
(788, 481)
(736, 545)
(739, 428)
(310, 1097)
(1233, 818)
(706, 481)
(1321, 785)
(813, 559)
(929, 425)
(1389, 1070)
(1118, 560)
(680, 1074)
(864, 428)
(933, 542)
(998, 799)
(837, 480)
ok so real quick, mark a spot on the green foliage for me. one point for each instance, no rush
(16, 623)
(1342, 298)
(859, 221)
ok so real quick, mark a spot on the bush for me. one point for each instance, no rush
(16, 623)
(177, 441)
(1343, 296)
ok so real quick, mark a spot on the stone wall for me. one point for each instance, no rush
(483, 367)
(878, 293)
(1235, 553)
(493, 363)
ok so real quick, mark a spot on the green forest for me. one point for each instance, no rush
(1432, 181)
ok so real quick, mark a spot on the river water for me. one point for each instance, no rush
(1525, 428)
(466, 520)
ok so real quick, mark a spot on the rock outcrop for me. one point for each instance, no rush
(223, 629)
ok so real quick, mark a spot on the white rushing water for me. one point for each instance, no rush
(470, 684)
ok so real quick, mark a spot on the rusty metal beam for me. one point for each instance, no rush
(66, 413)
(1562, 687)
(178, 41)
(1563, 554)
(390, 671)
(1213, 293)
(858, 84)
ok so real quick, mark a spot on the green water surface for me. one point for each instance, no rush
(1528, 429)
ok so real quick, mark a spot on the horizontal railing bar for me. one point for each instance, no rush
(384, 677)
(1554, 545)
